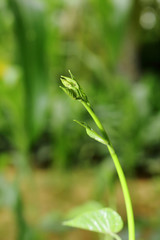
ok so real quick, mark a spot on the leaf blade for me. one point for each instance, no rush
(105, 221)
(91, 133)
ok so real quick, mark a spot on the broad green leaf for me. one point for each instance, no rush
(105, 221)
(91, 133)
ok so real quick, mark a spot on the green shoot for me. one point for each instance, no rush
(73, 89)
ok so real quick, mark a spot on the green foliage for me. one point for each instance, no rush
(104, 221)
(105, 140)
(31, 35)
(11, 110)
(38, 40)
(48, 38)
(112, 18)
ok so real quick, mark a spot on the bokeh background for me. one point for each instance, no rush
(48, 165)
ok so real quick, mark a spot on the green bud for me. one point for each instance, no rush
(83, 96)
(69, 82)
(66, 83)
(73, 89)
(70, 92)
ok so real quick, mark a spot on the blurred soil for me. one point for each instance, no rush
(47, 191)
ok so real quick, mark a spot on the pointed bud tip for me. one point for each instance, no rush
(76, 121)
(70, 74)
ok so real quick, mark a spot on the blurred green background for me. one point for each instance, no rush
(48, 164)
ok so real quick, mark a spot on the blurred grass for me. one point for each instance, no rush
(112, 50)
(31, 35)
(48, 39)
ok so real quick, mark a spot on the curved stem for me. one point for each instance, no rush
(128, 203)
(97, 121)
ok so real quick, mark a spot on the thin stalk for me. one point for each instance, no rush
(128, 203)
(96, 120)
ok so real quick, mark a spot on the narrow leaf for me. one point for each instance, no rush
(69, 92)
(71, 74)
(91, 133)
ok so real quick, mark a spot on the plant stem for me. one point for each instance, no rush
(97, 121)
(128, 203)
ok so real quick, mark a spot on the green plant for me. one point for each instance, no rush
(31, 40)
(95, 221)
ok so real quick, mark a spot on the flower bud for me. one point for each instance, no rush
(73, 89)
(70, 92)
(69, 82)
